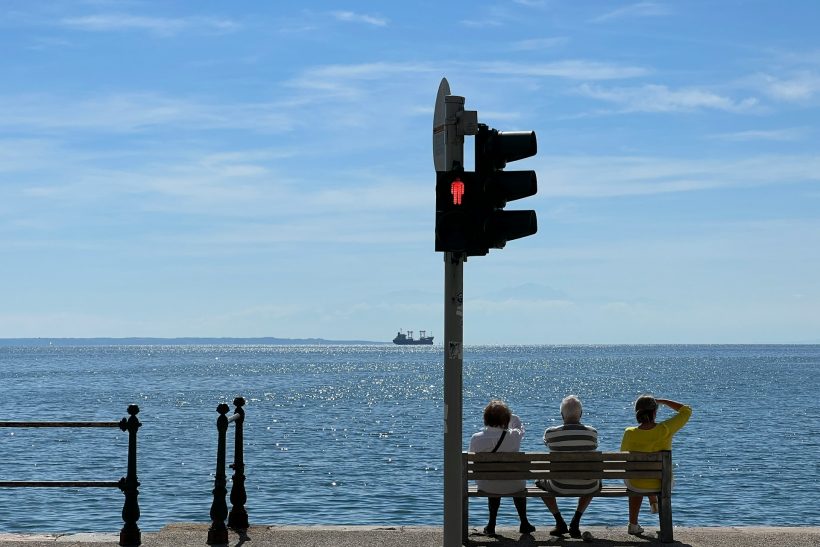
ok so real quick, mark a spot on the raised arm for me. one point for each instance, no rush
(674, 405)
(683, 412)
(516, 428)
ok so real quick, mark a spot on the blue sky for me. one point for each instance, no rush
(265, 168)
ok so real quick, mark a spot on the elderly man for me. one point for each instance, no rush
(572, 436)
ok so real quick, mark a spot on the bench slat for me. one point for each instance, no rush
(564, 475)
(562, 456)
(535, 492)
(563, 466)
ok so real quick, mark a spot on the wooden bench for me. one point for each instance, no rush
(558, 466)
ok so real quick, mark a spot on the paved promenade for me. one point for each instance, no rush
(421, 536)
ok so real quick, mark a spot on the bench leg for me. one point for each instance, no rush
(666, 499)
(465, 519)
(666, 519)
(465, 500)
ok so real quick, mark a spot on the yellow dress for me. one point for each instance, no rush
(652, 440)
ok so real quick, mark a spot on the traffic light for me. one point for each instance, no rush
(470, 215)
(496, 187)
(456, 197)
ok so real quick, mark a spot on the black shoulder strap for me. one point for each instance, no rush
(500, 440)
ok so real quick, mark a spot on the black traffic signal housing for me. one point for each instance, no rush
(493, 150)
(470, 215)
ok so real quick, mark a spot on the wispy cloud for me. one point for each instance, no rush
(802, 86)
(481, 23)
(527, 290)
(366, 71)
(802, 56)
(25, 154)
(352, 91)
(659, 98)
(347, 81)
(129, 112)
(597, 177)
(792, 134)
(517, 305)
(640, 9)
(43, 43)
(533, 3)
(489, 17)
(536, 44)
(352, 17)
(163, 26)
(245, 182)
(571, 69)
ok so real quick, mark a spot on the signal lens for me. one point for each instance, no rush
(457, 190)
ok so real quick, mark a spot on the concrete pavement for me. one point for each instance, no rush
(185, 534)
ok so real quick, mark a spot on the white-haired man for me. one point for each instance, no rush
(572, 436)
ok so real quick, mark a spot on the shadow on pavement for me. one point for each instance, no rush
(524, 540)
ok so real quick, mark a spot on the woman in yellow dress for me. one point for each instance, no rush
(649, 436)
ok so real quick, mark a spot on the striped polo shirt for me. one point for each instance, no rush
(572, 438)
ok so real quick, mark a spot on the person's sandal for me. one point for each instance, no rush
(634, 529)
(559, 530)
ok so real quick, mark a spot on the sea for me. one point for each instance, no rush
(352, 434)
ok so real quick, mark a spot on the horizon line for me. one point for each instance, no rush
(273, 340)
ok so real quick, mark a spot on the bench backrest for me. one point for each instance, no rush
(564, 465)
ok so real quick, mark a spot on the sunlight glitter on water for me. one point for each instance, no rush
(332, 431)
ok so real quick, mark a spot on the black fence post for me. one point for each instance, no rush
(238, 517)
(218, 532)
(130, 532)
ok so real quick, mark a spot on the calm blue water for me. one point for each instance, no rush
(353, 435)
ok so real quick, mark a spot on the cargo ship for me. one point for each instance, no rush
(408, 340)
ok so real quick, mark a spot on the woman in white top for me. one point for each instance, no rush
(502, 432)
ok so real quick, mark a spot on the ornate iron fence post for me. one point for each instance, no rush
(130, 533)
(238, 517)
(218, 532)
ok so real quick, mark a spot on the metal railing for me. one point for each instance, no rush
(238, 517)
(130, 532)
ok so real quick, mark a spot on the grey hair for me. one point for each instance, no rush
(571, 408)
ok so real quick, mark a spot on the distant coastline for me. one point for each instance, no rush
(272, 341)
(185, 341)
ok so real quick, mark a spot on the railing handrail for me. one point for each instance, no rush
(130, 533)
(60, 484)
(60, 424)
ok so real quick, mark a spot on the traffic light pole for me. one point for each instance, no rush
(453, 346)
(453, 360)
(470, 221)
